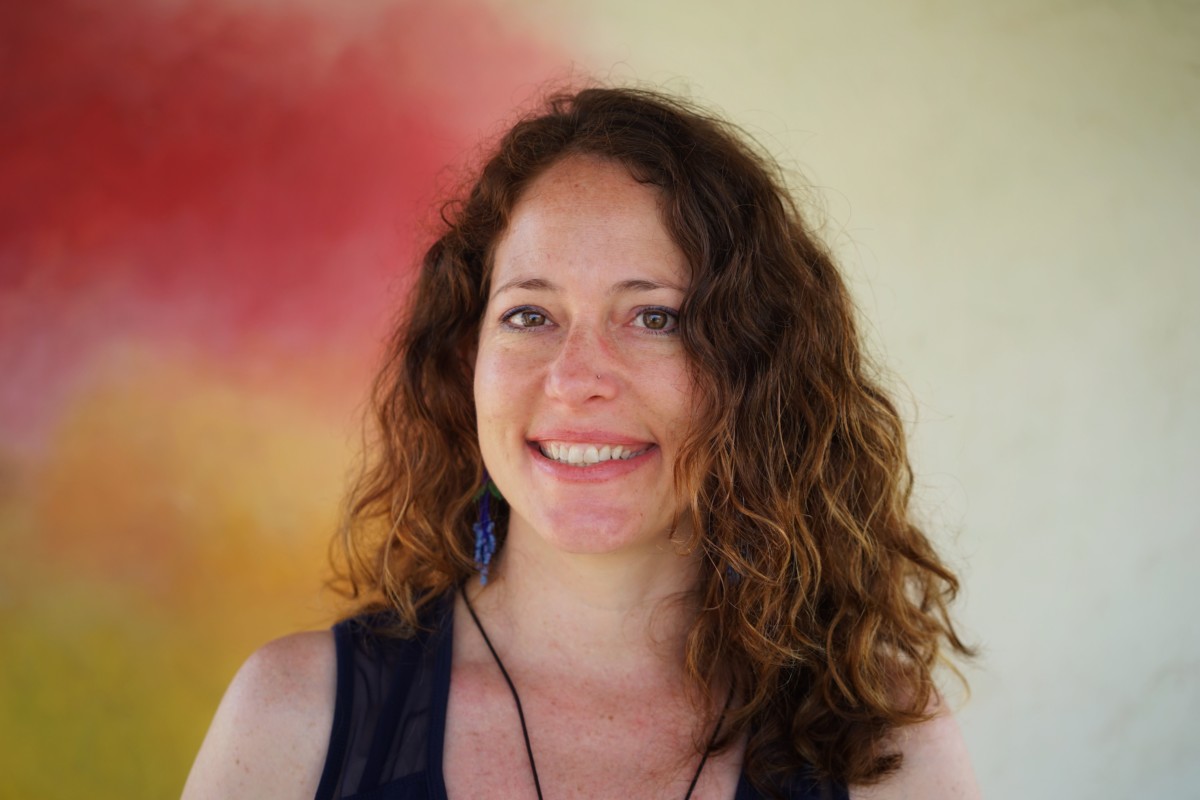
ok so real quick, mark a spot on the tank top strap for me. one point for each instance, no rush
(390, 714)
(387, 707)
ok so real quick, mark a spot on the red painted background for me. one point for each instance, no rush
(208, 212)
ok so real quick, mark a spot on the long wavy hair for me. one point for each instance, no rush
(819, 597)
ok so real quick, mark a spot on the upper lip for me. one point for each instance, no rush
(594, 436)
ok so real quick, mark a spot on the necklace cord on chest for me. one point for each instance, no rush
(521, 711)
(512, 688)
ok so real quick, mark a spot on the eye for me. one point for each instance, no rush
(525, 317)
(658, 320)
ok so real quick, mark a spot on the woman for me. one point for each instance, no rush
(637, 520)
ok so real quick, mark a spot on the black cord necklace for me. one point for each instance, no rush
(537, 784)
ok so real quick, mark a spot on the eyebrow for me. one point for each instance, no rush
(543, 285)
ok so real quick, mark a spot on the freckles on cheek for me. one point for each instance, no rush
(484, 366)
(495, 397)
(676, 376)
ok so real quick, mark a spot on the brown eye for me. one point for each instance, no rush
(657, 319)
(525, 318)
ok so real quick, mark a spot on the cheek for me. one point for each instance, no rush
(488, 394)
(501, 383)
(677, 399)
(509, 363)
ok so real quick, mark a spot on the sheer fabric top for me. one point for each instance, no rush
(389, 715)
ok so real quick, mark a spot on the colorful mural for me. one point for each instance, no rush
(208, 214)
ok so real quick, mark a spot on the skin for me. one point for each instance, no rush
(579, 345)
(575, 347)
(271, 731)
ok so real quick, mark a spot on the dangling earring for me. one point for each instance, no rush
(485, 528)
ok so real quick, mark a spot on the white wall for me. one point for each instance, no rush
(1015, 190)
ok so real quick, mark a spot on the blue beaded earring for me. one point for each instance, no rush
(485, 528)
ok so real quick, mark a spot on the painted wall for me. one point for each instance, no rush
(207, 210)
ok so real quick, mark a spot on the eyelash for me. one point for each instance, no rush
(672, 314)
(508, 316)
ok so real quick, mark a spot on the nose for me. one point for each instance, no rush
(584, 368)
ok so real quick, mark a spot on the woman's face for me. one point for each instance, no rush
(581, 387)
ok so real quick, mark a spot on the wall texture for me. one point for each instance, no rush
(199, 203)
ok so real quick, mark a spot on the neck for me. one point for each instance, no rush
(610, 613)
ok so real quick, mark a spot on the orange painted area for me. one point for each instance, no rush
(208, 214)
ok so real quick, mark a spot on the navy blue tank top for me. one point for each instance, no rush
(389, 716)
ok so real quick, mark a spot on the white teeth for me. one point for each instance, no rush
(582, 455)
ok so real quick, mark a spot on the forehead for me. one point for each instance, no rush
(587, 213)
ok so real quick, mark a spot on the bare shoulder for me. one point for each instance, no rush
(936, 764)
(271, 732)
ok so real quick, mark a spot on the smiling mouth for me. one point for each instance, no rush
(585, 455)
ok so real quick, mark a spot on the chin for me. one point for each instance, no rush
(594, 533)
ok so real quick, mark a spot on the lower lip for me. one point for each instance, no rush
(600, 471)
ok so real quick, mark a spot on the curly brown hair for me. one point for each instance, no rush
(819, 597)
